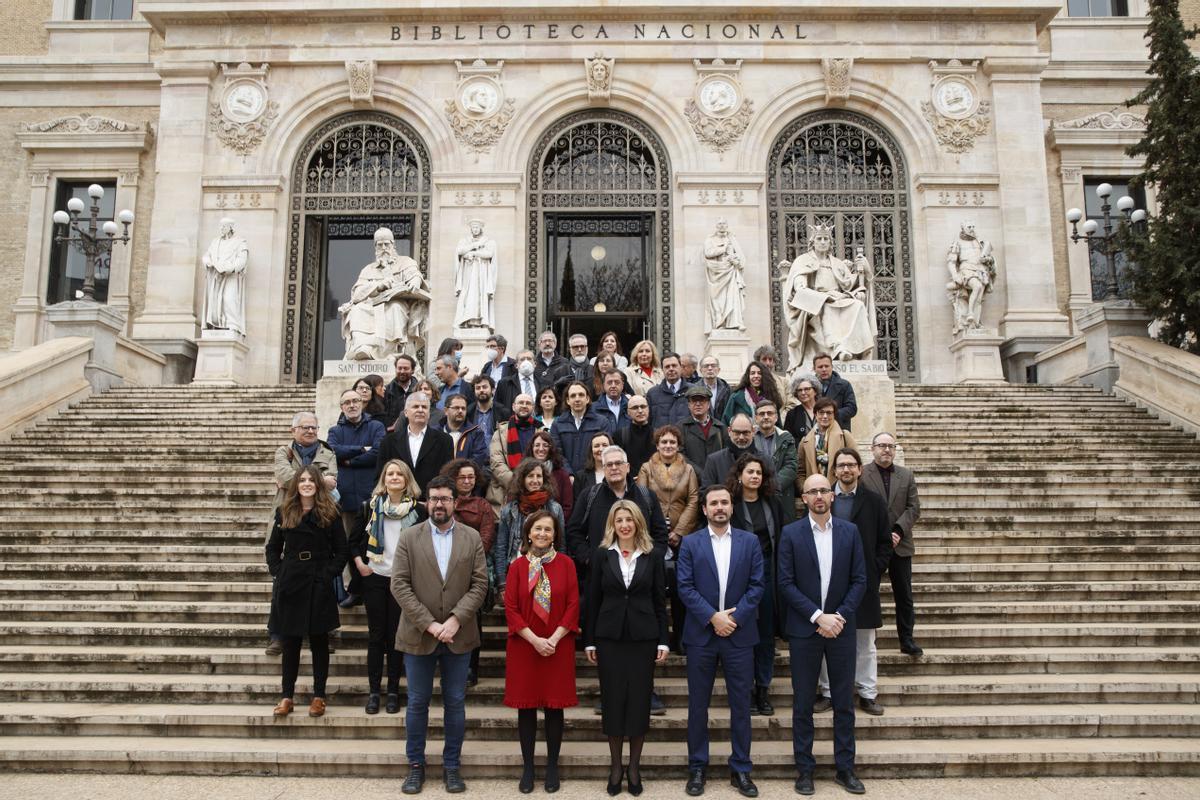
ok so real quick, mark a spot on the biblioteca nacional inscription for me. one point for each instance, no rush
(636, 31)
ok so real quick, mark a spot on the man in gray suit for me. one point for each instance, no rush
(439, 579)
(898, 487)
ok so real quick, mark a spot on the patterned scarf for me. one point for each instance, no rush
(539, 583)
(530, 502)
(753, 396)
(381, 509)
(515, 426)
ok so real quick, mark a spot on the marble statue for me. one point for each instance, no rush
(829, 302)
(972, 273)
(388, 310)
(725, 266)
(475, 280)
(225, 281)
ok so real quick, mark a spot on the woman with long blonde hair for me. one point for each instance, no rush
(626, 634)
(643, 372)
(392, 507)
(306, 551)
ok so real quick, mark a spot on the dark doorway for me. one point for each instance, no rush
(598, 275)
(349, 246)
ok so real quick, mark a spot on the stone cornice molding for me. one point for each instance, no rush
(1105, 120)
(1103, 129)
(84, 132)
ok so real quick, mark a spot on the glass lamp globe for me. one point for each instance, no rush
(126, 216)
(96, 191)
(1074, 215)
(75, 205)
(1125, 203)
(1138, 216)
(1104, 190)
(61, 218)
(1090, 227)
(110, 228)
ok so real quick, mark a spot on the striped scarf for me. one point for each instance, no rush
(514, 452)
(382, 509)
(539, 583)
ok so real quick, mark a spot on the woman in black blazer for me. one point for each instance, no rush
(756, 508)
(626, 634)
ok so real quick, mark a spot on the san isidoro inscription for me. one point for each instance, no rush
(616, 32)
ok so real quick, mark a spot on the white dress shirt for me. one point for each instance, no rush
(722, 546)
(443, 543)
(823, 537)
(414, 442)
(628, 567)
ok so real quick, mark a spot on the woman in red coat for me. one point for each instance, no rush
(541, 602)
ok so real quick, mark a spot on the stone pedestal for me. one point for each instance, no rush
(474, 341)
(338, 376)
(221, 358)
(1099, 324)
(732, 349)
(95, 321)
(977, 357)
(875, 393)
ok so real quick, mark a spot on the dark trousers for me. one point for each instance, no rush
(764, 651)
(318, 644)
(678, 610)
(900, 573)
(383, 617)
(420, 669)
(807, 654)
(738, 665)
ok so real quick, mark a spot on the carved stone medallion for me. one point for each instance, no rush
(244, 112)
(955, 111)
(718, 110)
(479, 112)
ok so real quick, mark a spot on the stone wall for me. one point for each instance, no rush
(14, 206)
(24, 26)
(1190, 11)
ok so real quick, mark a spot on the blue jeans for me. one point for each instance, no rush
(419, 670)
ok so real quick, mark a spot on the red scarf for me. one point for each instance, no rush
(530, 502)
(515, 425)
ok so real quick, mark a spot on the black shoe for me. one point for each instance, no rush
(657, 707)
(472, 677)
(393, 703)
(614, 789)
(822, 705)
(335, 641)
(911, 648)
(526, 784)
(635, 789)
(550, 783)
(373, 703)
(454, 781)
(762, 702)
(274, 648)
(695, 784)
(415, 780)
(598, 711)
(850, 782)
(804, 784)
(350, 601)
(741, 781)
(870, 706)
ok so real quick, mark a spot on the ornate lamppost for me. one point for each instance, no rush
(89, 237)
(1108, 243)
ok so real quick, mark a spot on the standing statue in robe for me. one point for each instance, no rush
(388, 310)
(972, 269)
(725, 267)
(475, 280)
(829, 302)
(225, 281)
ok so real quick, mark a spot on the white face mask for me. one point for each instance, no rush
(525, 368)
(490, 354)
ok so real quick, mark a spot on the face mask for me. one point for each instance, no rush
(490, 354)
(458, 357)
(579, 359)
(525, 368)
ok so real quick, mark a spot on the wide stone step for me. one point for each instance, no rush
(974, 591)
(97, 553)
(1106, 537)
(1044, 571)
(1001, 553)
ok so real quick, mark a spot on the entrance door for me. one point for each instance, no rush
(349, 246)
(597, 267)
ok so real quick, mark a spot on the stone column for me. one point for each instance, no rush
(29, 304)
(168, 322)
(1032, 320)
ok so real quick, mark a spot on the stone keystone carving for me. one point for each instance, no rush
(479, 112)
(837, 78)
(360, 75)
(599, 72)
(243, 113)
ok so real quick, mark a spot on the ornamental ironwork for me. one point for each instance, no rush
(361, 163)
(843, 169)
(604, 162)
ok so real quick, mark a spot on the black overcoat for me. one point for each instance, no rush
(304, 561)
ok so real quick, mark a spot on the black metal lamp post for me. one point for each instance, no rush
(89, 237)
(1107, 244)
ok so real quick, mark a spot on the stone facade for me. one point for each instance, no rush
(1022, 68)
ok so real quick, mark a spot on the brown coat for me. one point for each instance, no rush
(837, 439)
(425, 598)
(904, 508)
(677, 488)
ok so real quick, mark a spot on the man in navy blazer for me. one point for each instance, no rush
(822, 578)
(719, 575)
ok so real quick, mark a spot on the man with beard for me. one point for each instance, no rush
(549, 367)
(741, 440)
(486, 412)
(508, 446)
(703, 434)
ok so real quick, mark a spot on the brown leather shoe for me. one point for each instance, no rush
(284, 708)
(317, 707)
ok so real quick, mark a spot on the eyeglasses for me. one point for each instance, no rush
(355, 402)
(306, 428)
(851, 465)
(817, 492)
(441, 501)
(806, 389)
(614, 464)
(884, 446)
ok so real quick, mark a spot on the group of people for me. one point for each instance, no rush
(630, 508)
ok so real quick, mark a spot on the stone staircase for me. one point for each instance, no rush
(1057, 580)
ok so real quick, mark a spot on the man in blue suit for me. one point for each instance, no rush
(822, 578)
(719, 576)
